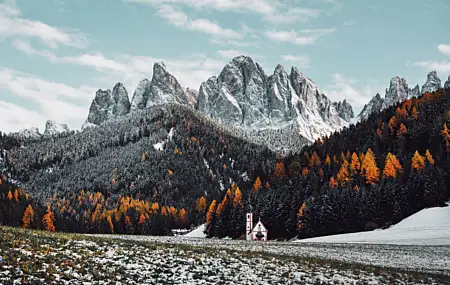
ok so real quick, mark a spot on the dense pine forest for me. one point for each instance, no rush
(367, 176)
(168, 167)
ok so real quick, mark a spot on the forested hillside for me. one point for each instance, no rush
(168, 155)
(168, 167)
(367, 176)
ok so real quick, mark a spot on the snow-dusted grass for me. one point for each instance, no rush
(427, 227)
(43, 258)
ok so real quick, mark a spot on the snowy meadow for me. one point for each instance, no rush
(36, 257)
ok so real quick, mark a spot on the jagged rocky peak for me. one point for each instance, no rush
(415, 92)
(281, 96)
(237, 96)
(164, 87)
(344, 110)
(120, 96)
(107, 105)
(398, 91)
(242, 95)
(375, 105)
(432, 84)
(53, 128)
(447, 83)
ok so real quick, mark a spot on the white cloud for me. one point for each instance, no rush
(259, 6)
(292, 15)
(301, 61)
(181, 20)
(303, 37)
(13, 26)
(444, 49)
(440, 66)
(53, 100)
(356, 93)
(130, 69)
(273, 11)
(14, 117)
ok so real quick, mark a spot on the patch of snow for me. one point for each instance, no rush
(197, 232)
(159, 146)
(171, 133)
(427, 227)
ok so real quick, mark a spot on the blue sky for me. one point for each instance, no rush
(55, 54)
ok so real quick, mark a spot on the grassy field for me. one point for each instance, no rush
(35, 257)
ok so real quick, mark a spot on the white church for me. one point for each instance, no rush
(257, 232)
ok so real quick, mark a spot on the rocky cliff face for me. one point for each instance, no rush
(242, 95)
(415, 92)
(53, 128)
(107, 105)
(163, 88)
(398, 91)
(432, 84)
(375, 105)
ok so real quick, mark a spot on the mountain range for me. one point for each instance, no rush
(243, 97)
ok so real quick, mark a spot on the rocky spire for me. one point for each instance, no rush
(432, 84)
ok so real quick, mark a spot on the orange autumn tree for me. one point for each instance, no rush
(110, 224)
(343, 175)
(314, 160)
(445, 133)
(16, 196)
(200, 205)
(418, 162)
(257, 185)
(182, 216)
(401, 131)
(333, 183)
(414, 113)
(305, 171)
(237, 199)
(355, 165)
(328, 160)
(391, 166)
(393, 124)
(211, 211)
(300, 215)
(369, 168)
(48, 220)
(28, 217)
(429, 157)
(280, 170)
(10, 196)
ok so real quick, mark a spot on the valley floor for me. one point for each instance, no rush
(56, 258)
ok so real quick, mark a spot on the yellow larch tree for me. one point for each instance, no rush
(369, 168)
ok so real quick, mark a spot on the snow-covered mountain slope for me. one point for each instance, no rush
(53, 128)
(427, 227)
(243, 96)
